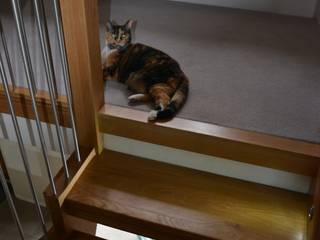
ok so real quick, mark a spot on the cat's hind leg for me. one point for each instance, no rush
(161, 94)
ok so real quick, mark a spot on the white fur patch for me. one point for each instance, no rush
(105, 53)
(136, 97)
(152, 115)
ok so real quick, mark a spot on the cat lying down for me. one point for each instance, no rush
(148, 72)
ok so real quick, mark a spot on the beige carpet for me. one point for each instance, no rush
(248, 70)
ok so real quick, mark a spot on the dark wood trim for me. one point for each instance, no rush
(245, 146)
(3, 166)
(81, 29)
(317, 12)
(314, 223)
(23, 106)
(80, 225)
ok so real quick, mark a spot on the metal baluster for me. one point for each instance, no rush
(47, 57)
(6, 54)
(11, 203)
(66, 76)
(30, 80)
(21, 146)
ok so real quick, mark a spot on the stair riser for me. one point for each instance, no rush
(229, 168)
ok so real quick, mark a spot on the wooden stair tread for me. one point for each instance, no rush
(169, 202)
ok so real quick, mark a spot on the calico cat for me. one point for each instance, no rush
(150, 73)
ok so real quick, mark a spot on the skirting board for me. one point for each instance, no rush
(229, 168)
(300, 8)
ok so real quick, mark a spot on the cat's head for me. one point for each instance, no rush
(119, 36)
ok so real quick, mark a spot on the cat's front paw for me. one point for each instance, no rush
(152, 115)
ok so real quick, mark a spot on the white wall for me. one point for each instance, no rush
(229, 168)
(11, 154)
(30, 135)
(303, 8)
(18, 178)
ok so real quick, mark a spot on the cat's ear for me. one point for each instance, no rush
(110, 25)
(130, 24)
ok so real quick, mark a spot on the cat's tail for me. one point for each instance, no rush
(177, 100)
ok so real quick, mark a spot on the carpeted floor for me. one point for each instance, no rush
(248, 70)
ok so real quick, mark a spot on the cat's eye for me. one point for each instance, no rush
(123, 36)
(114, 35)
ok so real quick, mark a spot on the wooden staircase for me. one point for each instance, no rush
(162, 201)
(156, 199)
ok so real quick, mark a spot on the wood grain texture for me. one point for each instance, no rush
(77, 169)
(53, 203)
(80, 225)
(169, 202)
(245, 146)
(23, 106)
(314, 223)
(81, 28)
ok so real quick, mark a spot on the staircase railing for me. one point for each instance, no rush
(42, 28)
(77, 28)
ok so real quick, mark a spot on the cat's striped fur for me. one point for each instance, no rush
(150, 73)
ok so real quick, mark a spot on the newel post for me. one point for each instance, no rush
(81, 30)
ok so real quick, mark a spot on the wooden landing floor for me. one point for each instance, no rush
(169, 202)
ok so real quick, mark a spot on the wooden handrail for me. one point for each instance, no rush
(23, 105)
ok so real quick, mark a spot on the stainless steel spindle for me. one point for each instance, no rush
(48, 62)
(11, 203)
(66, 76)
(23, 42)
(21, 146)
(6, 53)
(30, 79)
